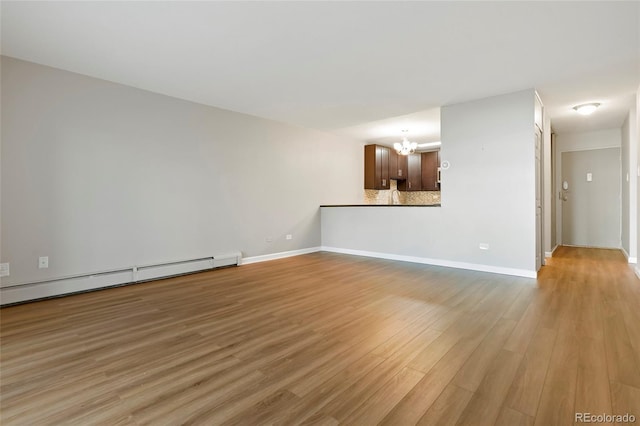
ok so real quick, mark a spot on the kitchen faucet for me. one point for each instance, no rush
(397, 199)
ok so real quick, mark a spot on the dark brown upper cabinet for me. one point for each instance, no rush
(430, 164)
(397, 165)
(413, 181)
(376, 167)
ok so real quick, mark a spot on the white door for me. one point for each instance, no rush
(539, 254)
(590, 194)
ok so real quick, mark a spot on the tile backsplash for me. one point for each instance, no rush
(373, 196)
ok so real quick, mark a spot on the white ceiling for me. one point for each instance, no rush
(346, 66)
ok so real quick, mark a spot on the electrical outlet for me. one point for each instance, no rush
(484, 246)
(4, 269)
(289, 236)
(43, 262)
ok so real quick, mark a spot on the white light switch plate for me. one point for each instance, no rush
(4, 269)
(589, 177)
(43, 262)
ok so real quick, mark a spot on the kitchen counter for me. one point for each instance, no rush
(381, 205)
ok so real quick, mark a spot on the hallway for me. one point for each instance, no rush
(592, 300)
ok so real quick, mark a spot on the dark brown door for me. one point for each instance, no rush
(397, 165)
(370, 167)
(384, 166)
(414, 172)
(393, 164)
(402, 167)
(376, 167)
(430, 171)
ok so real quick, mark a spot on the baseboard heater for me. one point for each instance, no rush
(18, 293)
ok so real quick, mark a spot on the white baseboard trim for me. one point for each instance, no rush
(632, 260)
(437, 262)
(637, 271)
(550, 253)
(626, 255)
(281, 255)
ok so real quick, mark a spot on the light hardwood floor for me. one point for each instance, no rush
(330, 339)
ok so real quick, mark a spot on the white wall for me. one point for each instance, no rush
(99, 176)
(553, 194)
(633, 185)
(636, 138)
(547, 192)
(629, 163)
(566, 142)
(488, 195)
(596, 139)
(625, 185)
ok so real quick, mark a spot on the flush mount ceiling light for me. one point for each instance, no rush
(586, 109)
(406, 147)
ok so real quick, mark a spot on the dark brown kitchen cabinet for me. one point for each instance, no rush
(397, 165)
(430, 164)
(376, 167)
(414, 172)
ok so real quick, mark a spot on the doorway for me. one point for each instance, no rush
(538, 176)
(590, 194)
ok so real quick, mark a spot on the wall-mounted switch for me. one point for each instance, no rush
(4, 269)
(589, 177)
(43, 262)
(289, 237)
(484, 246)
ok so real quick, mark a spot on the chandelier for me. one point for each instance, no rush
(406, 147)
